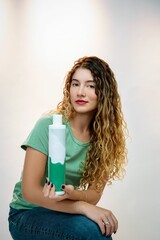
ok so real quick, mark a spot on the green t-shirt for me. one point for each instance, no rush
(75, 156)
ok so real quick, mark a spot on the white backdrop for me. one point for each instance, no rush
(39, 41)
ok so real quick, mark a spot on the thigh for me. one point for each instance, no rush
(44, 224)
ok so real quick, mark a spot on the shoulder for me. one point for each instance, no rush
(38, 137)
(44, 121)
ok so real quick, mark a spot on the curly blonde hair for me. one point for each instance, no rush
(107, 155)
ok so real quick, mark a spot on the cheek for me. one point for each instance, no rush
(94, 97)
(71, 95)
(70, 91)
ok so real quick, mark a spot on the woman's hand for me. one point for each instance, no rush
(50, 191)
(105, 219)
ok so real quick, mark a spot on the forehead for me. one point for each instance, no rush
(82, 73)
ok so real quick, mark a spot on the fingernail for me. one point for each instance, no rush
(51, 185)
(63, 186)
(46, 180)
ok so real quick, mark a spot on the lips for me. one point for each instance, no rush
(81, 102)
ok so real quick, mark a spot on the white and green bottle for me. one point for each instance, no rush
(57, 153)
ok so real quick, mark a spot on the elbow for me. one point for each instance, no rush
(25, 195)
(96, 199)
(95, 202)
(29, 196)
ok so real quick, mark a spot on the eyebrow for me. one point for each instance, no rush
(73, 79)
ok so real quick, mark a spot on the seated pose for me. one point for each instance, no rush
(95, 156)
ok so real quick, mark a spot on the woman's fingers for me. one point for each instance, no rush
(116, 223)
(102, 227)
(108, 227)
(46, 189)
(67, 188)
(52, 191)
(45, 185)
(111, 223)
(49, 191)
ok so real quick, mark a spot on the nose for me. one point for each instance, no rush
(81, 91)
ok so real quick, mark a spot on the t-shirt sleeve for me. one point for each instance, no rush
(38, 138)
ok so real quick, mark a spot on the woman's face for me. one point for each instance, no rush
(82, 91)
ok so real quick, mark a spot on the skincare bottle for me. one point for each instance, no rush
(57, 153)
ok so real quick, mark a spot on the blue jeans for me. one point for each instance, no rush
(43, 224)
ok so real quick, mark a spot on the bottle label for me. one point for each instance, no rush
(57, 145)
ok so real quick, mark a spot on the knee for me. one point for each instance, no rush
(87, 229)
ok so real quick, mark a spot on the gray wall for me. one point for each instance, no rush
(39, 41)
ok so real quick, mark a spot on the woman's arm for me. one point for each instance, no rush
(32, 190)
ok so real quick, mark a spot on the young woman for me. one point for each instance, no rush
(95, 155)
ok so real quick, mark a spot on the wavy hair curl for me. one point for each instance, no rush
(107, 155)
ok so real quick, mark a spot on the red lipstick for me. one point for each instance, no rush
(81, 102)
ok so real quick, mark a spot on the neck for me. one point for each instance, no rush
(80, 125)
(81, 122)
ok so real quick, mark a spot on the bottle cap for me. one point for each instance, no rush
(57, 119)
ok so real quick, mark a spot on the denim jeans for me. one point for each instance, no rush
(43, 224)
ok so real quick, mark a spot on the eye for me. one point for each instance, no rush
(91, 86)
(74, 84)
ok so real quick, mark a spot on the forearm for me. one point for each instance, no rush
(36, 197)
(89, 196)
